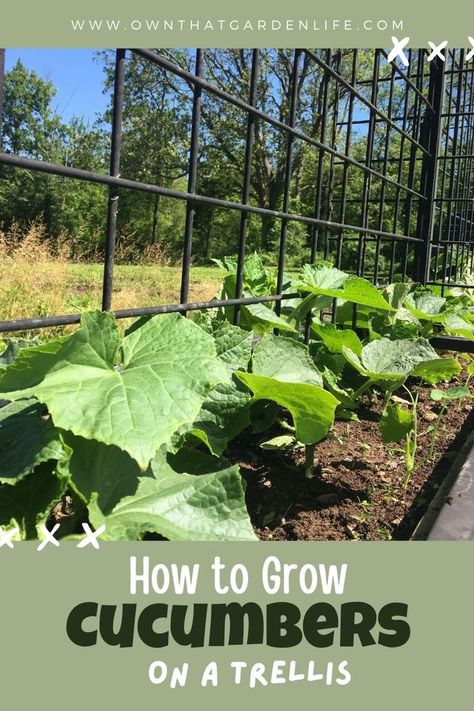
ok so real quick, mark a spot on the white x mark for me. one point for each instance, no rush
(397, 50)
(437, 50)
(91, 536)
(49, 537)
(470, 54)
(6, 537)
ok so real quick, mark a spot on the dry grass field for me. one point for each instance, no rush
(39, 279)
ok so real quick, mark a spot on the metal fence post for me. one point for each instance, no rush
(430, 139)
(112, 209)
(192, 179)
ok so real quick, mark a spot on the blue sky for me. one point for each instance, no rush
(76, 76)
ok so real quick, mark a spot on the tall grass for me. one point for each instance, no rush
(38, 278)
(33, 280)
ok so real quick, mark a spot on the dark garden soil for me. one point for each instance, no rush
(357, 490)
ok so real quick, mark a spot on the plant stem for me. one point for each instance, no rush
(386, 400)
(309, 460)
(362, 389)
(436, 430)
(466, 385)
(411, 440)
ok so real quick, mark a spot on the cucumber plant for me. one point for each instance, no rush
(136, 427)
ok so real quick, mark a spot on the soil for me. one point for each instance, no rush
(357, 490)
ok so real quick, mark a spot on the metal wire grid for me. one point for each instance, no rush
(408, 114)
(454, 229)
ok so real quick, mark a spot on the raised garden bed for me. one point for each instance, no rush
(357, 493)
(450, 515)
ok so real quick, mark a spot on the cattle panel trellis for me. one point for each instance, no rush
(392, 152)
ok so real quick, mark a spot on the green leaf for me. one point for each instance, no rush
(324, 359)
(29, 502)
(396, 293)
(395, 423)
(286, 360)
(457, 326)
(385, 360)
(345, 313)
(258, 279)
(169, 366)
(425, 305)
(455, 393)
(323, 276)
(223, 415)
(311, 407)
(29, 366)
(309, 303)
(226, 410)
(438, 370)
(26, 440)
(332, 282)
(400, 328)
(100, 469)
(264, 414)
(335, 338)
(331, 383)
(277, 443)
(179, 506)
(9, 354)
(342, 414)
(13, 348)
(233, 344)
(467, 314)
(262, 319)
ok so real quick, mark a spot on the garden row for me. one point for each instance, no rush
(134, 430)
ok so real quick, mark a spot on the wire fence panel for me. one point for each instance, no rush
(453, 234)
(363, 163)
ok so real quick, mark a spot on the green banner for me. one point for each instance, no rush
(144, 23)
(369, 625)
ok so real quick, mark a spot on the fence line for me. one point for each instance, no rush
(416, 202)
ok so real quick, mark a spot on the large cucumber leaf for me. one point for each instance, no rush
(233, 344)
(323, 276)
(168, 367)
(283, 372)
(26, 440)
(335, 338)
(225, 412)
(311, 407)
(179, 506)
(438, 370)
(223, 415)
(455, 325)
(261, 319)
(425, 305)
(328, 281)
(395, 293)
(286, 360)
(384, 360)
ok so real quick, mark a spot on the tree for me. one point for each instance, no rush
(155, 128)
(32, 129)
